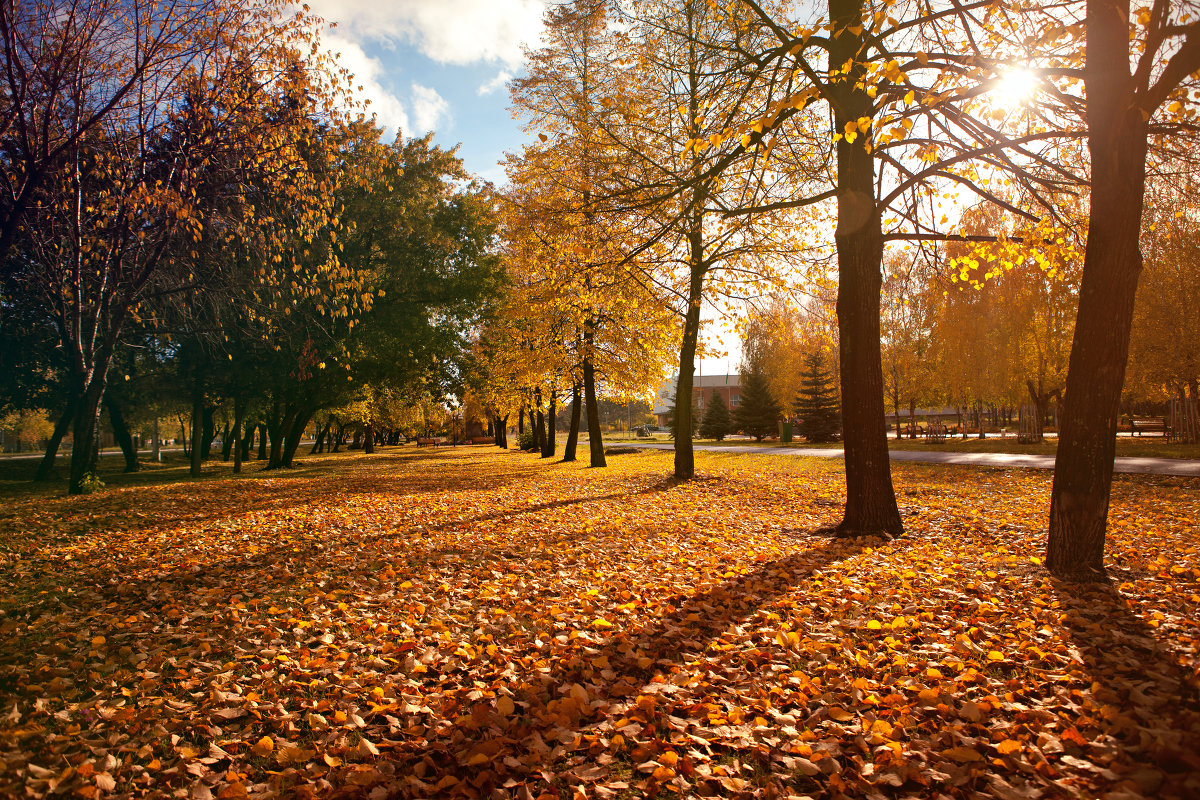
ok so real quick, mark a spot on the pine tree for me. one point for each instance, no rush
(817, 403)
(758, 415)
(717, 420)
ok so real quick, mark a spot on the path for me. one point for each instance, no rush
(1127, 464)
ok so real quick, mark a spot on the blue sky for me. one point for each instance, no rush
(441, 65)
(438, 65)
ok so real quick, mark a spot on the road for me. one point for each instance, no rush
(1137, 465)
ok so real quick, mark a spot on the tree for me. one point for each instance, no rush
(758, 413)
(717, 422)
(675, 420)
(817, 403)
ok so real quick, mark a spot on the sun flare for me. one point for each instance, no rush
(1016, 87)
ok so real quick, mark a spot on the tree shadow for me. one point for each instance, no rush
(1149, 690)
(564, 695)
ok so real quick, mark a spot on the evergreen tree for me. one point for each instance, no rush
(717, 420)
(817, 404)
(758, 415)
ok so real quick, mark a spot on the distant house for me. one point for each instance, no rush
(729, 386)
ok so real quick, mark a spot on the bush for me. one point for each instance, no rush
(527, 440)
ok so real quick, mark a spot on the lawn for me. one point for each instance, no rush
(472, 623)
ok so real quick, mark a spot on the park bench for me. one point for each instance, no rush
(935, 432)
(427, 440)
(1147, 425)
(483, 440)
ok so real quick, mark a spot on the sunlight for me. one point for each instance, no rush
(1016, 87)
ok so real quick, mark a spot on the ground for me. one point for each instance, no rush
(468, 622)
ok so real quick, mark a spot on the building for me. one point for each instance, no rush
(729, 386)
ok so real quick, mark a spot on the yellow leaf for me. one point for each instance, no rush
(874, 625)
(995, 655)
(263, 747)
(963, 754)
(600, 622)
(505, 705)
(1008, 746)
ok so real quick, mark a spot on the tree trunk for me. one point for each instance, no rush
(197, 429)
(210, 431)
(295, 433)
(685, 455)
(85, 451)
(121, 434)
(45, 470)
(322, 432)
(595, 438)
(912, 419)
(227, 440)
(573, 432)
(262, 441)
(1112, 264)
(240, 443)
(339, 438)
(539, 423)
(278, 422)
(870, 497)
(369, 439)
(521, 422)
(548, 447)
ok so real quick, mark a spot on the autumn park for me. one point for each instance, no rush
(334, 467)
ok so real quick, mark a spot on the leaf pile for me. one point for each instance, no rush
(472, 623)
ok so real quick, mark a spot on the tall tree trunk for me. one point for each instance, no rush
(595, 438)
(685, 456)
(121, 434)
(262, 441)
(539, 422)
(210, 431)
(369, 439)
(521, 422)
(45, 470)
(573, 432)
(197, 429)
(240, 444)
(277, 423)
(85, 450)
(870, 497)
(337, 440)
(1112, 264)
(548, 446)
(295, 433)
(322, 432)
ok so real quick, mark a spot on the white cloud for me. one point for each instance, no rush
(495, 83)
(428, 107)
(367, 72)
(448, 31)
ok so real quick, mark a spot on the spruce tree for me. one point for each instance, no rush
(758, 414)
(817, 403)
(717, 420)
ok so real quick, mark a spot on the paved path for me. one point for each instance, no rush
(1129, 464)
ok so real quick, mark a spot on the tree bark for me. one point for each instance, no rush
(685, 455)
(45, 470)
(295, 433)
(573, 433)
(870, 497)
(121, 434)
(85, 452)
(240, 444)
(198, 447)
(1079, 497)
(595, 438)
(369, 439)
(262, 441)
(227, 441)
(548, 447)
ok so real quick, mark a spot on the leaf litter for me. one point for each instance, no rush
(473, 623)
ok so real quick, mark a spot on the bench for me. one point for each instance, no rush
(427, 440)
(935, 432)
(1147, 424)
